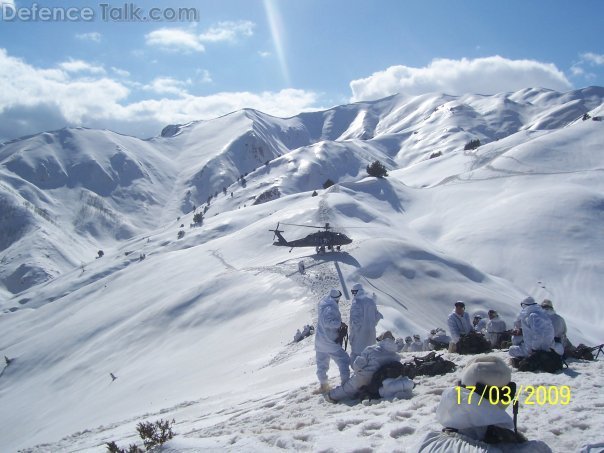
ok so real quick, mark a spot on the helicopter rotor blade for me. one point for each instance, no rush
(305, 226)
(327, 226)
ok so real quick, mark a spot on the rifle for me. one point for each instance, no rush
(599, 348)
(342, 338)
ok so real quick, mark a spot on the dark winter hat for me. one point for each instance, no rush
(459, 303)
(335, 293)
(385, 335)
(547, 304)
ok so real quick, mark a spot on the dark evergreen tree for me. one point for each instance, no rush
(328, 184)
(377, 169)
(472, 144)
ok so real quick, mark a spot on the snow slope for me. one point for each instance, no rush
(200, 328)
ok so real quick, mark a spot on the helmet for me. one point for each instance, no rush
(335, 293)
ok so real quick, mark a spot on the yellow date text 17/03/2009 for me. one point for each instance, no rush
(540, 395)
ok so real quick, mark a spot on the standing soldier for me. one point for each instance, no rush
(364, 317)
(326, 340)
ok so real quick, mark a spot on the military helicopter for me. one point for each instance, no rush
(321, 240)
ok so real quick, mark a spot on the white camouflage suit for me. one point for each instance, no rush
(468, 416)
(325, 341)
(364, 317)
(471, 421)
(459, 325)
(495, 327)
(560, 339)
(364, 366)
(537, 331)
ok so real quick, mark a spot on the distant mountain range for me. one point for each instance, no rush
(94, 188)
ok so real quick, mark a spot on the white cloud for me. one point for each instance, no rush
(64, 97)
(168, 85)
(120, 72)
(264, 54)
(577, 70)
(81, 66)
(589, 59)
(76, 97)
(228, 31)
(93, 36)
(593, 58)
(283, 103)
(204, 76)
(174, 39)
(181, 40)
(488, 75)
(36, 99)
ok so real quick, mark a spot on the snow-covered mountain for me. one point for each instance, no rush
(200, 323)
(74, 191)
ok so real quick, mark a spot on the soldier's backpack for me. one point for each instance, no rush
(582, 352)
(432, 365)
(389, 370)
(438, 345)
(548, 361)
(504, 340)
(473, 343)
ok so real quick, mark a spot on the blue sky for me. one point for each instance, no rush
(280, 56)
